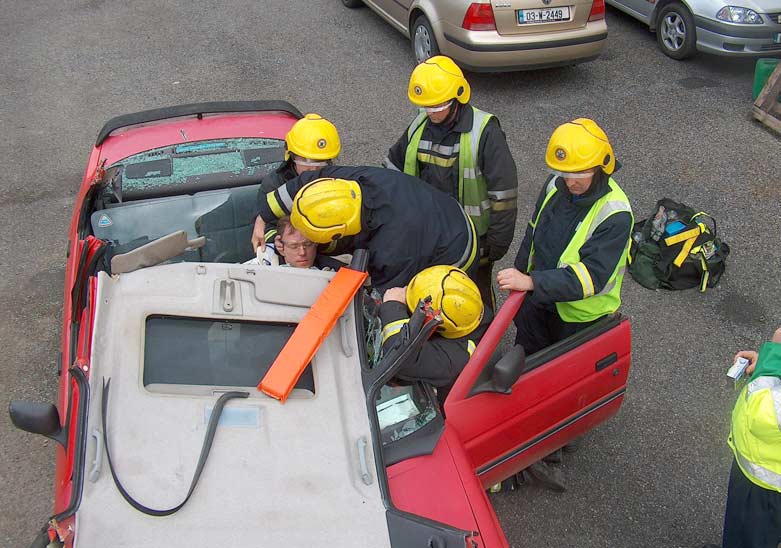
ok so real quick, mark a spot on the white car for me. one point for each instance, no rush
(747, 28)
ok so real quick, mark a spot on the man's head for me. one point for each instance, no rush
(327, 209)
(435, 85)
(453, 293)
(576, 151)
(296, 249)
(312, 143)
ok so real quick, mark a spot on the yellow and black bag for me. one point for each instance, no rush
(677, 248)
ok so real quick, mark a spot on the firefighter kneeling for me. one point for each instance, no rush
(464, 320)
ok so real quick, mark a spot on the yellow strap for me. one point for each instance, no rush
(705, 274)
(685, 250)
(682, 236)
(392, 329)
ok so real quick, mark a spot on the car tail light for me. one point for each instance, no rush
(480, 17)
(597, 10)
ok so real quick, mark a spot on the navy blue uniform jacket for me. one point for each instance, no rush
(405, 225)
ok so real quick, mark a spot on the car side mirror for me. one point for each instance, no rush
(501, 377)
(38, 418)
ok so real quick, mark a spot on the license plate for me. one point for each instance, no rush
(543, 15)
(777, 38)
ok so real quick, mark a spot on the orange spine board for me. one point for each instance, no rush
(310, 333)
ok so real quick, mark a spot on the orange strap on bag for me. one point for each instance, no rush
(283, 374)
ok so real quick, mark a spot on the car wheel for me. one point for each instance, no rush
(352, 4)
(424, 44)
(675, 31)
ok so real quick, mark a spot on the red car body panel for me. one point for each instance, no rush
(442, 486)
(128, 141)
(549, 405)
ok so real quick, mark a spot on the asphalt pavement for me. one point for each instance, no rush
(655, 476)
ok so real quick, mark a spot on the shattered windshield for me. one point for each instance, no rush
(190, 163)
(207, 188)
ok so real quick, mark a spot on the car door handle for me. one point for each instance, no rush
(607, 361)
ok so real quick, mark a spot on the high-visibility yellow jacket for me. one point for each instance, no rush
(756, 422)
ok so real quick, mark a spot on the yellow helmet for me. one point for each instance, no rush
(579, 145)
(327, 209)
(314, 138)
(437, 80)
(453, 293)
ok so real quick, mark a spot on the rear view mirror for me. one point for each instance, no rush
(38, 418)
(501, 376)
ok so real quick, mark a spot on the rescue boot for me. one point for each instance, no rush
(572, 446)
(547, 476)
(554, 458)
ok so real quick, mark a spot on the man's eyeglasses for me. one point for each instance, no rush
(298, 246)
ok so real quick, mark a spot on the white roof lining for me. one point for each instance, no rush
(306, 448)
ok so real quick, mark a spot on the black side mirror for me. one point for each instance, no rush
(502, 376)
(38, 418)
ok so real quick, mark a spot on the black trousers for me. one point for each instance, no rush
(537, 327)
(753, 515)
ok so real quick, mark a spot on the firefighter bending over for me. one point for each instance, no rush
(406, 226)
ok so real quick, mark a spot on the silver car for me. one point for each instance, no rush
(738, 28)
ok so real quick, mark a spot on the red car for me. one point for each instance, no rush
(159, 307)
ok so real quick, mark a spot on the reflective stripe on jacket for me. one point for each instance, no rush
(472, 188)
(594, 304)
(756, 432)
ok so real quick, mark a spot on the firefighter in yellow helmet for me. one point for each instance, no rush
(311, 143)
(464, 320)
(405, 226)
(573, 256)
(461, 150)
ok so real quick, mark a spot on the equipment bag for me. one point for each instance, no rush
(677, 248)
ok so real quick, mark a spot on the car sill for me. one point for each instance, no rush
(545, 435)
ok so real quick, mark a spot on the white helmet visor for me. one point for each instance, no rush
(440, 108)
(576, 175)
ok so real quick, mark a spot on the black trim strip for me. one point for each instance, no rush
(80, 449)
(525, 47)
(542, 437)
(198, 109)
(727, 30)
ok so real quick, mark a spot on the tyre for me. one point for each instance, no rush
(352, 4)
(675, 31)
(424, 43)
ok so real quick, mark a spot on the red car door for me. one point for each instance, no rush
(551, 397)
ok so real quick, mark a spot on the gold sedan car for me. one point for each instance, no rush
(499, 35)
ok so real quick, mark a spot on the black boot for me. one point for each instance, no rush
(547, 476)
(554, 458)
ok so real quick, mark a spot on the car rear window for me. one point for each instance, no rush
(209, 352)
